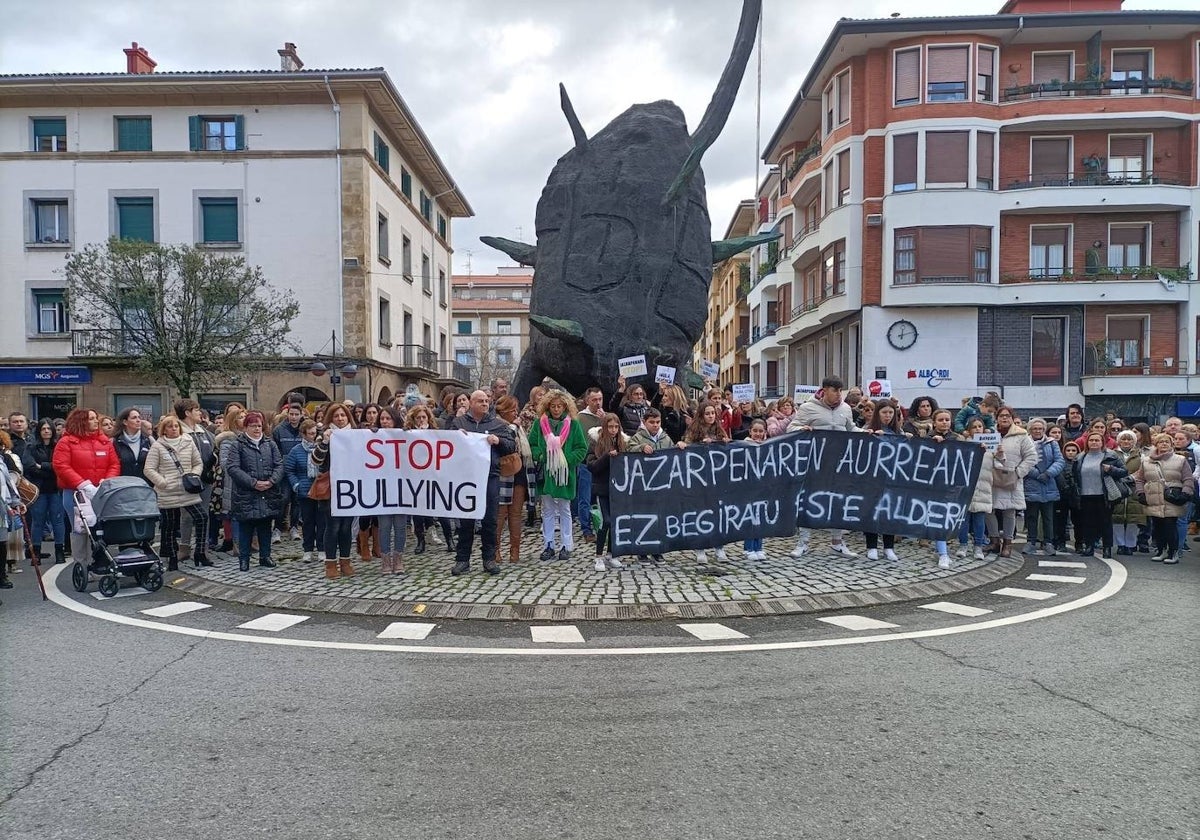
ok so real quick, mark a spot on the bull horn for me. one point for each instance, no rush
(723, 98)
(581, 138)
(521, 252)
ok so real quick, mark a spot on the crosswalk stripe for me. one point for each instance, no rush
(406, 630)
(712, 632)
(857, 622)
(124, 593)
(1057, 578)
(1031, 594)
(273, 622)
(568, 634)
(1061, 564)
(178, 608)
(956, 609)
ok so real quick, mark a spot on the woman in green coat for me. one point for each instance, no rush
(1128, 515)
(558, 445)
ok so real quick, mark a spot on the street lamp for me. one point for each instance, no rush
(335, 369)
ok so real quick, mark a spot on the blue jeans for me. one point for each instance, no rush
(393, 532)
(974, 525)
(583, 498)
(752, 545)
(48, 505)
(1182, 524)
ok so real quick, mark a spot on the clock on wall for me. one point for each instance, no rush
(902, 334)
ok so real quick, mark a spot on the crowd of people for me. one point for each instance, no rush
(244, 480)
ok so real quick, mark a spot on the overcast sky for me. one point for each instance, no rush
(481, 76)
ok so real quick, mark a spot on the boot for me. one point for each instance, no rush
(373, 534)
(420, 549)
(201, 559)
(60, 553)
(5, 583)
(385, 565)
(364, 549)
(331, 570)
(1006, 548)
(172, 565)
(398, 564)
(994, 546)
(345, 568)
(225, 547)
(514, 545)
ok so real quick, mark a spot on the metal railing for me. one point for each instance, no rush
(805, 232)
(909, 279)
(417, 357)
(742, 342)
(1130, 272)
(1098, 87)
(451, 369)
(760, 333)
(1089, 178)
(108, 343)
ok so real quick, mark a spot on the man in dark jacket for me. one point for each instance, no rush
(18, 430)
(480, 419)
(286, 436)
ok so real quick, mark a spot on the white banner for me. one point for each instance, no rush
(423, 473)
(632, 366)
(709, 370)
(665, 375)
(743, 392)
(804, 393)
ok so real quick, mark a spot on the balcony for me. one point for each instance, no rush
(1092, 178)
(742, 342)
(767, 331)
(910, 279)
(1104, 273)
(450, 371)
(418, 358)
(110, 344)
(772, 392)
(804, 232)
(802, 157)
(1099, 87)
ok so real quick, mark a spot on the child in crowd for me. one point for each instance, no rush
(975, 522)
(941, 431)
(758, 434)
(610, 442)
(649, 438)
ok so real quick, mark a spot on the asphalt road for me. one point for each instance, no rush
(1079, 725)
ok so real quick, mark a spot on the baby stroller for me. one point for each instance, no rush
(125, 513)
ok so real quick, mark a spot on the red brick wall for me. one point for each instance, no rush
(1014, 236)
(1164, 328)
(1169, 146)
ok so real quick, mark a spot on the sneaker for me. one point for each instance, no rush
(800, 550)
(276, 536)
(614, 563)
(491, 567)
(722, 557)
(1158, 557)
(599, 565)
(701, 557)
(842, 549)
(1050, 550)
(872, 553)
(944, 561)
(294, 534)
(433, 537)
(762, 555)
(979, 555)
(547, 555)
(461, 568)
(1035, 550)
(306, 557)
(564, 554)
(1170, 560)
(890, 554)
(962, 553)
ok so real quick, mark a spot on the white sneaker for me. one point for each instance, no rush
(722, 557)
(276, 536)
(614, 563)
(432, 536)
(294, 534)
(962, 553)
(842, 549)
(872, 553)
(890, 554)
(701, 557)
(944, 561)
(979, 555)
(599, 565)
(800, 550)
(306, 557)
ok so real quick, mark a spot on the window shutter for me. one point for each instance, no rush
(196, 134)
(220, 219)
(830, 197)
(1050, 66)
(1131, 62)
(1127, 235)
(49, 127)
(908, 76)
(843, 97)
(1048, 236)
(1126, 329)
(948, 64)
(945, 252)
(985, 151)
(946, 157)
(1050, 157)
(904, 159)
(843, 165)
(135, 219)
(1127, 147)
(239, 131)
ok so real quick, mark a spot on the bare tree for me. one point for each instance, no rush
(494, 357)
(183, 315)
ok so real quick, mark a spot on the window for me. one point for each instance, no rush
(946, 158)
(406, 183)
(516, 294)
(385, 322)
(426, 279)
(426, 207)
(462, 328)
(1124, 343)
(50, 134)
(217, 134)
(381, 237)
(843, 166)
(904, 162)
(441, 225)
(133, 134)
(1052, 68)
(504, 357)
(948, 74)
(1131, 67)
(906, 258)
(839, 267)
(406, 258)
(830, 191)
(408, 328)
(490, 294)
(1049, 248)
(504, 327)
(219, 221)
(985, 154)
(50, 309)
(51, 221)
(983, 263)
(1049, 161)
(1048, 351)
(1127, 246)
(382, 153)
(907, 82)
(135, 218)
(985, 75)
(466, 358)
(442, 286)
(427, 337)
(951, 254)
(1127, 157)
(837, 101)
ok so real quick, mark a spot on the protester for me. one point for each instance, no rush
(18, 432)
(1096, 470)
(1097, 425)
(172, 456)
(753, 547)
(515, 489)
(629, 405)
(607, 445)
(673, 408)
(132, 443)
(589, 419)
(707, 427)
(778, 420)
(256, 469)
(421, 417)
(300, 471)
(83, 458)
(559, 445)
(190, 416)
(287, 436)
(1041, 490)
(885, 421)
(11, 509)
(47, 510)
(1073, 425)
(1128, 514)
(337, 528)
(984, 407)
(1166, 487)
(1066, 512)
(480, 420)
(920, 417)
(1014, 458)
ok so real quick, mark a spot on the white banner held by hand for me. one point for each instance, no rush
(632, 366)
(743, 392)
(410, 471)
(665, 375)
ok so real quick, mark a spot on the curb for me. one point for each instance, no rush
(996, 570)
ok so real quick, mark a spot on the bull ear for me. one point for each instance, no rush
(581, 138)
(718, 108)
(723, 249)
(561, 328)
(521, 252)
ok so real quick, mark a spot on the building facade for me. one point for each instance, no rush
(490, 320)
(321, 177)
(1002, 202)
(727, 330)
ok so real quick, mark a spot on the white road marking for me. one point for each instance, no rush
(560, 635)
(712, 632)
(1061, 564)
(956, 609)
(406, 630)
(1031, 594)
(1057, 578)
(124, 593)
(1116, 581)
(178, 608)
(273, 622)
(857, 622)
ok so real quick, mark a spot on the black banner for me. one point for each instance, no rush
(711, 495)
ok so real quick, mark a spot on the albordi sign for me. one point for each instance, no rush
(715, 494)
(402, 471)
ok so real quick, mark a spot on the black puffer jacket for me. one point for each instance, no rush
(133, 463)
(247, 464)
(37, 461)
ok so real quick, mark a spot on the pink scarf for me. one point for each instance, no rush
(556, 461)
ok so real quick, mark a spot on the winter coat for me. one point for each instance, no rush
(490, 424)
(89, 458)
(206, 445)
(631, 414)
(674, 423)
(969, 412)
(1157, 474)
(1040, 482)
(1068, 490)
(575, 449)
(248, 463)
(641, 437)
(39, 467)
(224, 443)
(1113, 460)
(1008, 474)
(818, 415)
(600, 465)
(777, 424)
(287, 437)
(1129, 511)
(133, 463)
(166, 478)
(295, 467)
(981, 499)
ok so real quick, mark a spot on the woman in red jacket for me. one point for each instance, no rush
(83, 458)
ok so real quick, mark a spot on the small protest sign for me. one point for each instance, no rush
(989, 439)
(804, 393)
(665, 375)
(709, 370)
(744, 392)
(631, 366)
(879, 388)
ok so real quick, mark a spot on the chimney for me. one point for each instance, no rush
(138, 61)
(289, 61)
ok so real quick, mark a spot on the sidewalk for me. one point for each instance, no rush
(677, 587)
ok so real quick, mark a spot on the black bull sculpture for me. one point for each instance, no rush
(624, 258)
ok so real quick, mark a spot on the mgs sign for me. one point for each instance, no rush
(933, 376)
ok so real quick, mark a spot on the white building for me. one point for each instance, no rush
(491, 322)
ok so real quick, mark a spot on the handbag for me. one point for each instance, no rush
(510, 464)
(320, 490)
(1115, 490)
(191, 482)
(1172, 495)
(27, 491)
